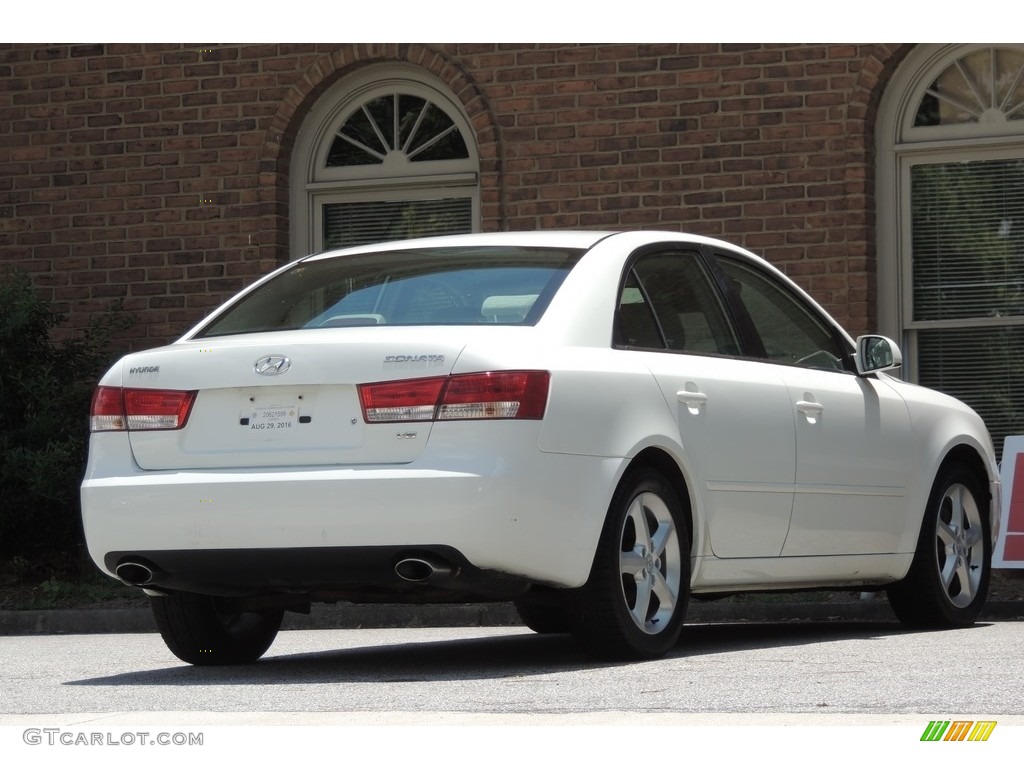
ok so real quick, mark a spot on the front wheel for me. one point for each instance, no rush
(948, 579)
(206, 631)
(634, 602)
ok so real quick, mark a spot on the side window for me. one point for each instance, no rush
(670, 295)
(790, 332)
(635, 325)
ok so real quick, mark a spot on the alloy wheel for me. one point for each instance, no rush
(960, 546)
(650, 563)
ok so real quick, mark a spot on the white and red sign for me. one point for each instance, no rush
(1009, 551)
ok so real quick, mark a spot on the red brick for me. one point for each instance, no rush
(106, 150)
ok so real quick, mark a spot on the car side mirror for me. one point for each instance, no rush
(877, 353)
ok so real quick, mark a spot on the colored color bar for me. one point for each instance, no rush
(958, 730)
(982, 730)
(935, 730)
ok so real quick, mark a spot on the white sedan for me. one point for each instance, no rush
(594, 425)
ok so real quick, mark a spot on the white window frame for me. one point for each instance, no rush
(312, 183)
(901, 145)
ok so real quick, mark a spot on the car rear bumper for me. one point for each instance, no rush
(298, 575)
(529, 515)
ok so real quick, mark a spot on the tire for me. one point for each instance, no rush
(544, 618)
(634, 603)
(204, 631)
(948, 579)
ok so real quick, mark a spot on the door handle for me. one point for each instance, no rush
(811, 410)
(692, 400)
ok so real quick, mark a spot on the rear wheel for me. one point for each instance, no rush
(948, 580)
(544, 618)
(207, 631)
(634, 603)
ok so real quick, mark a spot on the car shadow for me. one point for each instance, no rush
(494, 657)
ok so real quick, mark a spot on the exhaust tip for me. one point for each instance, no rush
(419, 569)
(134, 574)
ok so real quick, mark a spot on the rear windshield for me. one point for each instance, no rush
(431, 286)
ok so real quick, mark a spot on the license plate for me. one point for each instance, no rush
(273, 419)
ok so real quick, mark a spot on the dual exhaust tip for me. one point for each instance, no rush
(413, 569)
(423, 569)
(134, 574)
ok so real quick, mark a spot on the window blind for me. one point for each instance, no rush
(366, 222)
(981, 366)
(968, 239)
(968, 272)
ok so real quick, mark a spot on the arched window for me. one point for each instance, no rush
(951, 224)
(383, 155)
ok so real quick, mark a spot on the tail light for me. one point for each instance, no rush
(116, 409)
(491, 395)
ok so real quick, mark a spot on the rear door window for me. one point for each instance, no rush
(668, 301)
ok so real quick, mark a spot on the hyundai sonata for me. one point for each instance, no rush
(593, 425)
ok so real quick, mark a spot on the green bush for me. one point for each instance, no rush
(45, 390)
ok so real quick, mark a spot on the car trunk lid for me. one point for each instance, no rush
(286, 399)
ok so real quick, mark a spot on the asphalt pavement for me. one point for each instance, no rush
(350, 616)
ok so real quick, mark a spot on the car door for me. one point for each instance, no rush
(852, 432)
(734, 416)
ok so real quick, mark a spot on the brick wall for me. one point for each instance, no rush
(159, 173)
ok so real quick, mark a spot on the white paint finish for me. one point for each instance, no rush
(736, 431)
(854, 455)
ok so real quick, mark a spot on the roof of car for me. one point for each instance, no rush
(580, 239)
